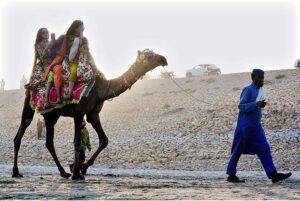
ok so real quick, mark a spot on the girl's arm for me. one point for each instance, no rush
(74, 49)
(34, 62)
(51, 41)
(34, 65)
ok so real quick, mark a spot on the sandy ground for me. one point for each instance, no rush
(157, 126)
(40, 183)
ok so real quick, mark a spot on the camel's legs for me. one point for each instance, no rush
(77, 146)
(50, 121)
(27, 116)
(94, 119)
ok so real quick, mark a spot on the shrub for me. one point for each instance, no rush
(209, 80)
(147, 94)
(189, 81)
(279, 76)
(166, 106)
(267, 82)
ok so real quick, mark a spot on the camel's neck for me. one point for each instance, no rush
(117, 86)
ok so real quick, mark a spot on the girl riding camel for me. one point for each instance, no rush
(74, 39)
(41, 57)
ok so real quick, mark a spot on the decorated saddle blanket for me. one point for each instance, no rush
(83, 85)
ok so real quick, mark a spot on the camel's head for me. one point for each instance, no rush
(147, 60)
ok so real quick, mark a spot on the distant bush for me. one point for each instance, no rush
(190, 90)
(175, 92)
(147, 94)
(267, 82)
(189, 81)
(279, 76)
(236, 88)
(209, 80)
(185, 90)
(166, 106)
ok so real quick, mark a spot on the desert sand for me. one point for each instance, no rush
(155, 125)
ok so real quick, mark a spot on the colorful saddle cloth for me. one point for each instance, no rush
(85, 82)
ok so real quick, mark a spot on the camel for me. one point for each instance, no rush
(90, 106)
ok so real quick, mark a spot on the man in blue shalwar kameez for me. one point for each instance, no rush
(249, 137)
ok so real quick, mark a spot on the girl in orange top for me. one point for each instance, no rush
(53, 73)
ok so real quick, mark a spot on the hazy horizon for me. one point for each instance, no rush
(232, 35)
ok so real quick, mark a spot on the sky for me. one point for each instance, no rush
(234, 35)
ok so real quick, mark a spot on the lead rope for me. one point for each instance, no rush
(194, 97)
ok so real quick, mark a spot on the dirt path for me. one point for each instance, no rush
(205, 185)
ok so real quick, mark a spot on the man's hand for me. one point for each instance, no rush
(261, 104)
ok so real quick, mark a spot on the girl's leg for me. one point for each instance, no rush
(58, 100)
(48, 87)
(71, 86)
(57, 81)
(72, 78)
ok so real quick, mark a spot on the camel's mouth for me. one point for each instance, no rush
(151, 59)
(163, 61)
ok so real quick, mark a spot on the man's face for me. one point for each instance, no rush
(258, 80)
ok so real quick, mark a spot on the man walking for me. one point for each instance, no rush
(249, 137)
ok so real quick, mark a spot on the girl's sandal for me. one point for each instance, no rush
(67, 97)
(46, 104)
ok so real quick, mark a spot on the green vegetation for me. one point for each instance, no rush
(186, 90)
(209, 80)
(189, 81)
(279, 76)
(190, 90)
(268, 82)
(147, 94)
(166, 106)
(236, 88)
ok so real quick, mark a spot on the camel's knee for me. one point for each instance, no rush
(16, 139)
(48, 145)
(104, 143)
(27, 122)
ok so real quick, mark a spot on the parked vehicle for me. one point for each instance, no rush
(203, 69)
(297, 63)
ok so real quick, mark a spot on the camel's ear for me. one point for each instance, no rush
(139, 52)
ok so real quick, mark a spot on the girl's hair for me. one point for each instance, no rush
(39, 37)
(72, 31)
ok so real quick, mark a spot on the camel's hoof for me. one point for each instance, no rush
(65, 175)
(83, 169)
(78, 177)
(17, 175)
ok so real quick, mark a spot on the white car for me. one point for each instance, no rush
(203, 69)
